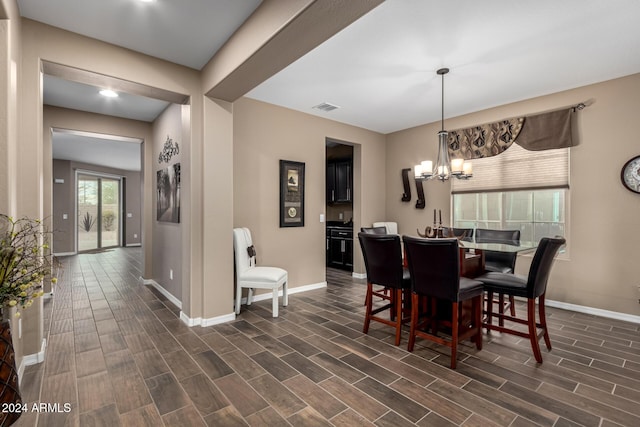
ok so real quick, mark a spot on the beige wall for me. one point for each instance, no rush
(167, 236)
(599, 269)
(264, 134)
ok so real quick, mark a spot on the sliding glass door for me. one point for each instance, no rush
(98, 212)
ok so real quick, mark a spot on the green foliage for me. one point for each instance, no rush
(88, 221)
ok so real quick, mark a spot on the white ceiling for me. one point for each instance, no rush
(187, 32)
(381, 70)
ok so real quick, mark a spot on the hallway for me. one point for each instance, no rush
(118, 353)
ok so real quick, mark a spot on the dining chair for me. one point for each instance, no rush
(251, 276)
(457, 232)
(434, 269)
(531, 287)
(383, 263)
(501, 262)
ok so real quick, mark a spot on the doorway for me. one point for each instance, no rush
(99, 203)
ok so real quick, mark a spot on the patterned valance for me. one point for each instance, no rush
(535, 133)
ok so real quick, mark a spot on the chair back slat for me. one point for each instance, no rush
(503, 259)
(382, 258)
(541, 265)
(241, 241)
(374, 230)
(434, 266)
(457, 232)
(511, 237)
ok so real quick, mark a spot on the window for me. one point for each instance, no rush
(518, 189)
(536, 213)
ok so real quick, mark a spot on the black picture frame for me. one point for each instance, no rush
(292, 184)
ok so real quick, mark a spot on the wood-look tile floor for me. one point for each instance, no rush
(119, 355)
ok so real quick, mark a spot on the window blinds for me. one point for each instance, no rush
(517, 169)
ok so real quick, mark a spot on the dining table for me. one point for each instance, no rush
(472, 254)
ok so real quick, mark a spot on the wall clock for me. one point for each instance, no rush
(630, 175)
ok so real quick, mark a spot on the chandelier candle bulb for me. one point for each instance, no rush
(467, 169)
(457, 165)
(418, 171)
(427, 167)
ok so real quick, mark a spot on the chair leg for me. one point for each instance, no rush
(250, 296)
(398, 310)
(275, 302)
(238, 297)
(501, 309)
(533, 332)
(454, 334)
(367, 302)
(477, 320)
(285, 296)
(543, 321)
(489, 309)
(415, 299)
(512, 305)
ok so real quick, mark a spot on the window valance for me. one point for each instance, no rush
(537, 132)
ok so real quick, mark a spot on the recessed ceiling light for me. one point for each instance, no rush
(108, 93)
(147, 1)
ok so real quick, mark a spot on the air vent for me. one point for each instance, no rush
(326, 107)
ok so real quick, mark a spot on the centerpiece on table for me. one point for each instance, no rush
(25, 263)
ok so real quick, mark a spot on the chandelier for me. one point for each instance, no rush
(444, 167)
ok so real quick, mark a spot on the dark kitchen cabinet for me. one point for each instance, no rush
(339, 182)
(340, 248)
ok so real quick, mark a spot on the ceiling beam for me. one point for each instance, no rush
(120, 85)
(274, 36)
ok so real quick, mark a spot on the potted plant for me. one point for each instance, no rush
(25, 263)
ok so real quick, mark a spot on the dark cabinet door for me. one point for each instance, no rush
(340, 249)
(347, 256)
(331, 182)
(339, 182)
(335, 253)
(343, 182)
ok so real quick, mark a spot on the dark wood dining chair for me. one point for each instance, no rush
(531, 287)
(376, 230)
(501, 262)
(383, 263)
(434, 268)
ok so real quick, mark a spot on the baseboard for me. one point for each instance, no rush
(32, 359)
(594, 311)
(131, 245)
(64, 253)
(198, 321)
(359, 275)
(175, 301)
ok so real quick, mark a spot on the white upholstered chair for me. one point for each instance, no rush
(250, 276)
(392, 227)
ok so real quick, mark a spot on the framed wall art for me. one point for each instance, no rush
(168, 194)
(291, 194)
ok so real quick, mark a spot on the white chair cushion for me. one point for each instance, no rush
(392, 227)
(266, 275)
